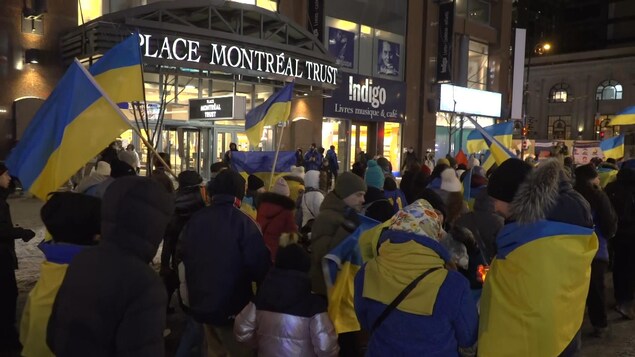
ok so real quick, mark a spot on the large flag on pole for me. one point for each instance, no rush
(118, 72)
(275, 109)
(501, 132)
(73, 125)
(499, 152)
(613, 147)
(625, 117)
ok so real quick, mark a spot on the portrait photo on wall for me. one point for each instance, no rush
(387, 58)
(342, 47)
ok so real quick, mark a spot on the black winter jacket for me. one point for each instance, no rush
(621, 193)
(223, 253)
(8, 233)
(376, 205)
(111, 302)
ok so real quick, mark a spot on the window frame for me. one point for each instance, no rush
(601, 90)
(555, 94)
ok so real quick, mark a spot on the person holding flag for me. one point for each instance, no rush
(542, 266)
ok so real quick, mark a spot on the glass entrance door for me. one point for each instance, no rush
(359, 140)
(183, 145)
(225, 136)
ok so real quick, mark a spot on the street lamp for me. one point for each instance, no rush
(539, 49)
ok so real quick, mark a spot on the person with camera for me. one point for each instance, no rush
(8, 263)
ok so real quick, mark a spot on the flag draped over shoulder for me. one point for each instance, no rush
(74, 124)
(119, 73)
(275, 109)
(340, 266)
(536, 288)
(613, 147)
(625, 117)
(501, 132)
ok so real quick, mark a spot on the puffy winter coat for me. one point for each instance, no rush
(483, 223)
(312, 198)
(604, 217)
(285, 319)
(111, 302)
(275, 215)
(223, 253)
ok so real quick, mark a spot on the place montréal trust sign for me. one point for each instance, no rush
(235, 57)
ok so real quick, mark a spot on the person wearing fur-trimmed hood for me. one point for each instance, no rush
(275, 215)
(438, 317)
(542, 266)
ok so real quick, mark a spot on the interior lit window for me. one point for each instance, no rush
(477, 65)
(88, 10)
(559, 93)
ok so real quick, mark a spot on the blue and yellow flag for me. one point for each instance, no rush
(499, 152)
(613, 147)
(625, 117)
(488, 160)
(501, 132)
(340, 266)
(535, 293)
(275, 109)
(119, 73)
(74, 124)
(259, 163)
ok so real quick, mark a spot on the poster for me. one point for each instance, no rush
(584, 151)
(342, 47)
(388, 58)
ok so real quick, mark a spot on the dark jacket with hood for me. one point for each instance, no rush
(621, 193)
(483, 223)
(111, 302)
(188, 200)
(223, 253)
(377, 206)
(335, 222)
(275, 216)
(604, 216)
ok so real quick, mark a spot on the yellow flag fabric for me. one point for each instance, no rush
(607, 176)
(535, 293)
(341, 308)
(368, 241)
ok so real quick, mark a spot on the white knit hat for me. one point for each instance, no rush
(103, 168)
(297, 171)
(449, 181)
(281, 187)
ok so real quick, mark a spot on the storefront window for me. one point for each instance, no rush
(392, 144)
(331, 134)
(88, 10)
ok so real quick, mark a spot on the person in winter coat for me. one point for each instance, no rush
(159, 174)
(285, 318)
(484, 224)
(188, 199)
(394, 195)
(223, 253)
(275, 215)
(299, 157)
(621, 192)
(450, 191)
(111, 301)
(376, 204)
(312, 198)
(295, 181)
(542, 265)
(214, 170)
(333, 165)
(587, 183)
(438, 317)
(118, 169)
(407, 181)
(409, 158)
(73, 220)
(88, 183)
(313, 159)
(227, 157)
(255, 187)
(8, 263)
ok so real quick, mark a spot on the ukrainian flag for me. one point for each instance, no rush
(625, 117)
(73, 125)
(499, 152)
(275, 109)
(501, 132)
(118, 72)
(259, 163)
(488, 161)
(613, 147)
(535, 293)
(340, 266)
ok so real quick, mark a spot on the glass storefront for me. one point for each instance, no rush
(451, 136)
(392, 144)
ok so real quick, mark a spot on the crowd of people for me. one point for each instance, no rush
(502, 262)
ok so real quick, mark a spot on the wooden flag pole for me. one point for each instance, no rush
(123, 117)
(275, 158)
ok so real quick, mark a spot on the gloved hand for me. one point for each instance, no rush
(27, 235)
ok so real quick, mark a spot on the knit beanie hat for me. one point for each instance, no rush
(347, 184)
(189, 178)
(585, 173)
(426, 170)
(297, 171)
(473, 162)
(103, 168)
(293, 257)
(505, 180)
(254, 183)
(72, 217)
(229, 182)
(281, 187)
(443, 162)
(384, 164)
(374, 176)
(449, 181)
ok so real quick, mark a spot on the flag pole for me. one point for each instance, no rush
(275, 158)
(123, 117)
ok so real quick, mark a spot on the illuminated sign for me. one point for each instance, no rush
(236, 57)
(457, 99)
(218, 108)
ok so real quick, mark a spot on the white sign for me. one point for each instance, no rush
(470, 101)
(366, 93)
(235, 56)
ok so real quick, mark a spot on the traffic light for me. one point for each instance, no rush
(601, 134)
(525, 131)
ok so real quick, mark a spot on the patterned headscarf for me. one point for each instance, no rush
(418, 218)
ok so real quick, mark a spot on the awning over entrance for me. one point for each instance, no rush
(236, 39)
